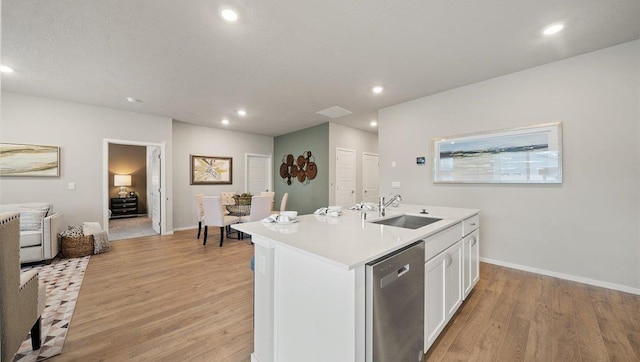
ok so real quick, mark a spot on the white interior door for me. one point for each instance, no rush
(156, 193)
(369, 177)
(258, 173)
(345, 177)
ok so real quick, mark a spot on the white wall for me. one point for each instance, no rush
(587, 227)
(354, 139)
(79, 130)
(195, 140)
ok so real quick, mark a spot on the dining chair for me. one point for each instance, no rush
(270, 194)
(213, 216)
(199, 213)
(260, 208)
(227, 199)
(283, 203)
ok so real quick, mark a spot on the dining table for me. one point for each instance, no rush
(239, 211)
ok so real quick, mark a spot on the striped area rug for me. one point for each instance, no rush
(63, 278)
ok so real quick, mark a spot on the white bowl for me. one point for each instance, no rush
(335, 208)
(290, 214)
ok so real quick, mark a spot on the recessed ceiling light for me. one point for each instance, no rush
(5, 69)
(133, 100)
(377, 89)
(242, 112)
(373, 123)
(225, 121)
(229, 15)
(552, 29)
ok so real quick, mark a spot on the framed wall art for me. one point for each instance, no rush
(519, 155)
(211, 170)
(29, 160)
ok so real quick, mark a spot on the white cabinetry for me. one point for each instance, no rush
(471, 269)
(471, 253)
(443, 291)
(451, 272)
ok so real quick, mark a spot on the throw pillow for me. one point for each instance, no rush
(31, 219)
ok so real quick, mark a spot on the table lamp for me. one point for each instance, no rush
(122, 181)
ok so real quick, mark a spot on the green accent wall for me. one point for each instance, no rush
(305, 199)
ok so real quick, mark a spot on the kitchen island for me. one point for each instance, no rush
(309, 291)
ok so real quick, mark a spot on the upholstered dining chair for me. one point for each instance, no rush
(213, 216)
(260, 208)
(227, 199)
(199, 213)
(270, 194)
(283, 203)
(22, 296)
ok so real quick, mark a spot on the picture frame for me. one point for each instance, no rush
(21, 159)
(530, 155)
(211, 170)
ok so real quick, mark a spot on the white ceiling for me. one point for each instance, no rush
(285, 60)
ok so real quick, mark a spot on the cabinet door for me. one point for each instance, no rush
(443, 291)
(453, 279)
(471, 265)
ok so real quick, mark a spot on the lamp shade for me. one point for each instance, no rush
(122, 180)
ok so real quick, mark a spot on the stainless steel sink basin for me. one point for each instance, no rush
(407, 221)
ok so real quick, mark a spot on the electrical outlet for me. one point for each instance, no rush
(395, 185)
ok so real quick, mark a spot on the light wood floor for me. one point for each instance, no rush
(171, 299)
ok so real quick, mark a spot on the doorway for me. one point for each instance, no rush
(370, 177)
(133, 179)
(258, 173)
(345, 177)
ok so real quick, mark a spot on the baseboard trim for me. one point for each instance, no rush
(186, 228)
(573, 278)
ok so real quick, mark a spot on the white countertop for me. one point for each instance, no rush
(348, 242)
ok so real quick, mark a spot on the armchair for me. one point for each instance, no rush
(22, 296)
(40, 242)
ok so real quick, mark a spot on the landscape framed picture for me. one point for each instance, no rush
(520, 155)
(18, 159)
(211, 170)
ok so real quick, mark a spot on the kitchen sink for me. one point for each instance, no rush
(407, 221)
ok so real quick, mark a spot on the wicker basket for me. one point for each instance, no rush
(77, 246)
(242, 200)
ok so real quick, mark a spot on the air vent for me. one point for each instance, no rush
(334, 112)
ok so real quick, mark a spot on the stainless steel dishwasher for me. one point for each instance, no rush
(395, 306)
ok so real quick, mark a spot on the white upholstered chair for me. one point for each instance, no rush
(260, 208)
(270, 194)
(199, 213)
(227, 199)
(22, 296)
(213, 216)
(283, 203)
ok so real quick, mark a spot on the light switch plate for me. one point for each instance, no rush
(72, 186)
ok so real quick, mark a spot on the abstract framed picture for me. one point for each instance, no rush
(29, 160)
(211, 170)
(519, 155)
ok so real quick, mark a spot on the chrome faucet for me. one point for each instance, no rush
(382, 205)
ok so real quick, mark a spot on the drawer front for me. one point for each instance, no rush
(437, 243)
(470, 224)
(124, 200)
(124, 205)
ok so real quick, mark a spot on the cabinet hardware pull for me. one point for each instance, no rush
(448, 260)
(473, 243)
(473, 224)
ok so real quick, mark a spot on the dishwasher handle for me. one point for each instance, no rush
(393, 276)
